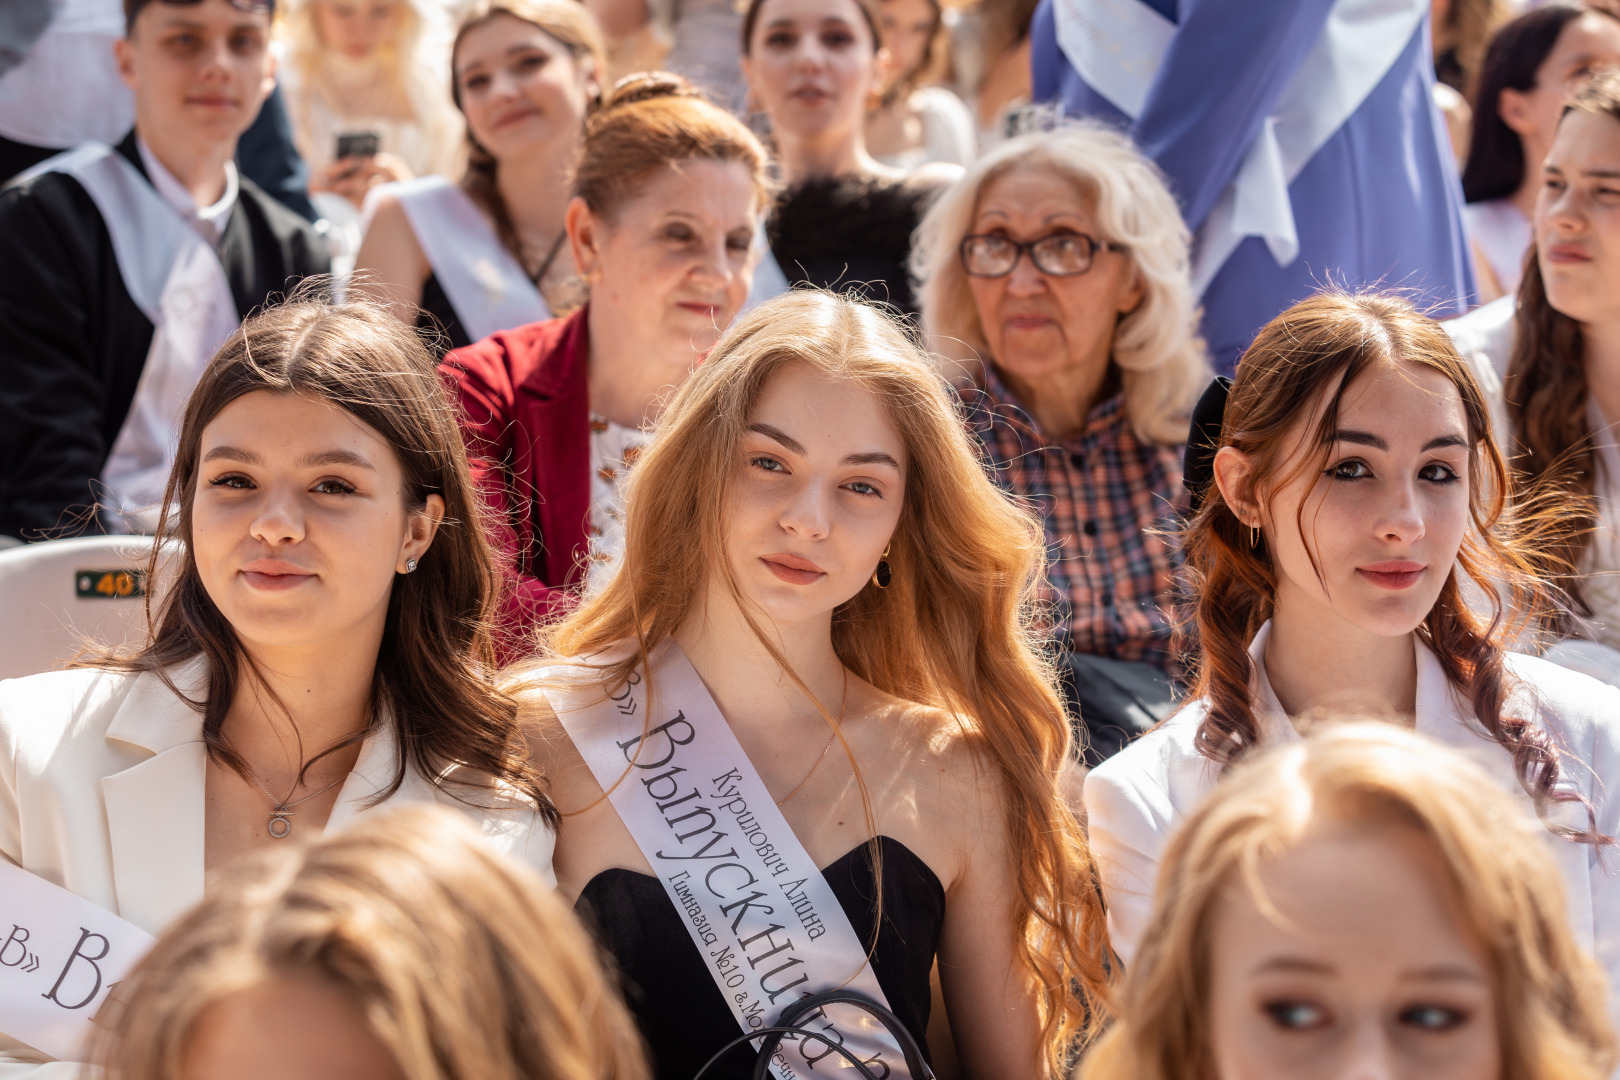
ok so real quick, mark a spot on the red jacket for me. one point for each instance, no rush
(526, 419)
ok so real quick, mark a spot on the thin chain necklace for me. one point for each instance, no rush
(841, 706)
(280, 823)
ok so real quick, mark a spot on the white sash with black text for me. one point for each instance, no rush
(60, 956)
(757, 907)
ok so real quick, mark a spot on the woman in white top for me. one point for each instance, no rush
(1355, 514)
(916, 124)
(1532, 67)
(356, 67)
(1550, 366)
(318, 650)
(490, 253)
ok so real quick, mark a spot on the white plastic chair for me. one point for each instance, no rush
(59, 596)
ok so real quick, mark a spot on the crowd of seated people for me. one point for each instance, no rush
(745, 572)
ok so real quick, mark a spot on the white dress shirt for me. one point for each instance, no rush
(1136, 799)
(209, 221)
(103, 792)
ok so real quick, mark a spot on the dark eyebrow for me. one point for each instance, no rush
(872, 457)
(1360, 438)
(1445, 440)
(1602, 174)
(780, 436)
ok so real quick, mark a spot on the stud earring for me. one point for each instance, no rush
(410, 566)
(882, 576)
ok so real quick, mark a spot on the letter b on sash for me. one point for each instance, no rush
(80, 954)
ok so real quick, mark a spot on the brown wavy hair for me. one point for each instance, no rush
(955, 630)
(1310, 354)
(464, 964)
(431, 683)
(1505, 884)
(1545, 389)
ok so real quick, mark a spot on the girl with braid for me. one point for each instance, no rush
(1352, 553)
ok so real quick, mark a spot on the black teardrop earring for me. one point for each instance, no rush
(881, 576)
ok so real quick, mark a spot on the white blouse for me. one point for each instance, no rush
(1502, 233)
(1136, 799)
(103, 788)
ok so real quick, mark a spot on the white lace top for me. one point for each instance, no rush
(614, 449)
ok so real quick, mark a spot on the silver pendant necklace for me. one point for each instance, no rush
(279, 825)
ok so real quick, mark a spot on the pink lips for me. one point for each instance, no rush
(708, 311)
(792, 569)
(1394, 575)
(1566, 253)
(275, 575)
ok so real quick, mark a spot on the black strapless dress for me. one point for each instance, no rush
(633, 920)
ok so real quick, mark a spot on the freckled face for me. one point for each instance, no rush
(816, 496)
(1366, 973)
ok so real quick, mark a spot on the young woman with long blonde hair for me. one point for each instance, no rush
(1362, 903)
(817, 564)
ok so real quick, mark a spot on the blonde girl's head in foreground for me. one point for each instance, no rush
(815, 441)
(1364, 903)
(402, 949)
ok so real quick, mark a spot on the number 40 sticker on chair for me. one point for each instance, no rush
(60, 596)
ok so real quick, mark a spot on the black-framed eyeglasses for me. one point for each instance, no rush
(251, 7)
(1060, 254)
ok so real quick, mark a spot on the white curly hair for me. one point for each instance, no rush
(1162, 361)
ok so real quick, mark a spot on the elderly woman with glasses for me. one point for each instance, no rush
(1058, 268)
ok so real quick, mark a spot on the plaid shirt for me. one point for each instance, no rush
(1105, 496)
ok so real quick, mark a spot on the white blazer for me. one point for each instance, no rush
(1136, 799)
(102, 792)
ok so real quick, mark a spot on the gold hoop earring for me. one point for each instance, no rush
(882, 575)
(1254, 536)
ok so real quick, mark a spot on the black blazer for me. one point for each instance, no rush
(73, 343)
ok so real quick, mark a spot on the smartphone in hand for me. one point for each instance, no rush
(357, 144)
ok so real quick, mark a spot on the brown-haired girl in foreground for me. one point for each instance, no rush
(1347, 557)
(318, 651)
(403, 949)
(830, 731)
(1365, 903)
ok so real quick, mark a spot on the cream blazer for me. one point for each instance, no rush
(102, 792)
(1137, 798)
